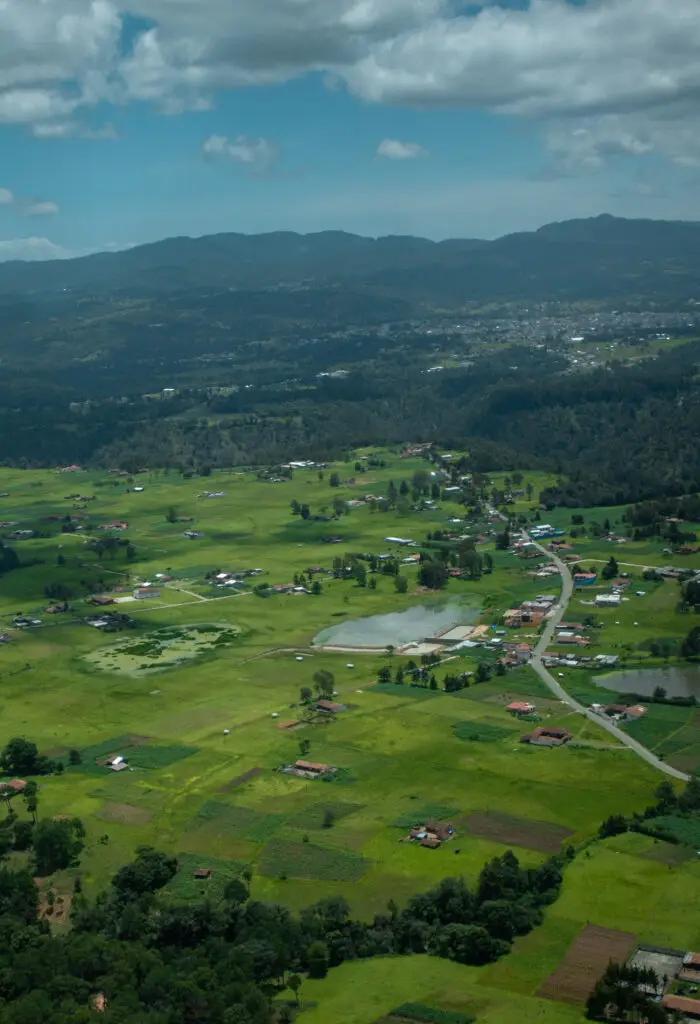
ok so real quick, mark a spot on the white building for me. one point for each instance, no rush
(607, 600)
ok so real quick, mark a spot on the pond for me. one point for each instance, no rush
(162, 648)
(399, 628)
(683, 681)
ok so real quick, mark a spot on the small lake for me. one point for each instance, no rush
(398, 628)
(677, 682)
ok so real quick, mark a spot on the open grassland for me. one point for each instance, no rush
(199, 734)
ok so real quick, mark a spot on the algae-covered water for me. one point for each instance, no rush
(398, 628)
(163, 648)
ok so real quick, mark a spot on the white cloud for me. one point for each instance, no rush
(624, 73)
(39, 208)
(29, 206)
(32, 249)
(72, 130)
(255, 154)
(392, 149)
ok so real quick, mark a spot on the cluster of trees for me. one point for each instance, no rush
(667, 802)
(421, 676)
(626, 993)
(153, 960)
(9, 559)
(21, 757)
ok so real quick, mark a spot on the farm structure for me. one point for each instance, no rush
(431, 835)
(547, 736)
(308, 769)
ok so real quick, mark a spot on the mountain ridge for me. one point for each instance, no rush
(595, 258)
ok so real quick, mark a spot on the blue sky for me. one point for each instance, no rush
(427, 117)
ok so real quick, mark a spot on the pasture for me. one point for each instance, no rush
(193, 695)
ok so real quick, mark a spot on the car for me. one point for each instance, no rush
(560, 674)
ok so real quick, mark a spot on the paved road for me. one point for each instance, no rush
(558, 690)
(567, 587)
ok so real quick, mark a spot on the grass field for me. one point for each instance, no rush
(203, 746)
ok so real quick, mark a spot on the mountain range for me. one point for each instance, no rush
(600, 259)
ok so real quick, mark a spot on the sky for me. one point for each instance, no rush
(127, 121)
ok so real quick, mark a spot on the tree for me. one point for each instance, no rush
(325, 682)
(467, 944)
(316, 588)
(236, 892)
(60, 560)
(503, 540)
(304, 747)
(690, 648)
(317, 960)
(328, 818)
(74, 757)
(31, 798)
(334, 480)
(611, 569)
(305, 512)
(339, 506)
(615, 825)
(372, 583)
(294, 984)
(305, 694)
(150, 871)
(359, 574)
(666, 796)
(689, 800)
(57, 844)
(400, 584)
(432, 574)
(404, 489)
(171, 515)
(659, 693)
(295, 506)
(21, 757)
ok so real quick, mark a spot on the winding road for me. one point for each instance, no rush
(555, 617)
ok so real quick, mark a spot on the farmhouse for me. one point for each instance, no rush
(406, 541)
(624, 713)
(690, 970)
(101, 599)
(202, 873)
(547, 736)
(520, 707)
(310, 769)
(142, 593)
(607, 600)
(432, 834)
(11, 787)
(690, 1008)
(329, 707)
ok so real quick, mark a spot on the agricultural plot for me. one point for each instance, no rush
(586, 959)
(161, 649)
(284, 858)
(544, 836)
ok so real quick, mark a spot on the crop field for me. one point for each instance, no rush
(586, 959)
(192, 695)
(510, 830)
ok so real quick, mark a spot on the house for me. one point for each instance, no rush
(585, 579)
(329, 707)
(690, 1008)
(606, 660)
(193, 534)
(101, 599)
(547, 736)
(690, 970)
(625, 713)
(202, 873)
(310, 769)
(520, 707)
(141, 593)
(398, 540)
(607, 600)
(512, 618)
(12, 787)
(432, 843)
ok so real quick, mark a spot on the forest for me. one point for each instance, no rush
(614, 435)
